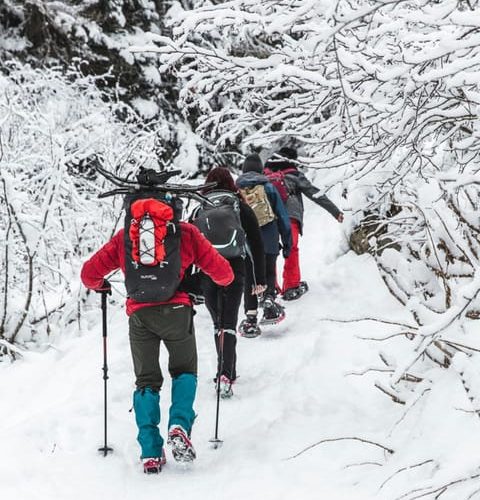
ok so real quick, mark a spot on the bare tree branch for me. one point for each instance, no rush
(332, 440)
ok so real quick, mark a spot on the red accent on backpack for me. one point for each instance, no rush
(277, 178)
(160, 213)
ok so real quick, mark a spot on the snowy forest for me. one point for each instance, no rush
(371, 390)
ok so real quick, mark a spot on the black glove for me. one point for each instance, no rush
(285, 252)
(192, 284)
(105, 288)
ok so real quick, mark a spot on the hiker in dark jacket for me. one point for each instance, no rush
(228, 298)
(265, 200)
(297, 185)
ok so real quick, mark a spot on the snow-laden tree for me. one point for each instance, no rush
(55, 126)
(95, 35)
(382, 99)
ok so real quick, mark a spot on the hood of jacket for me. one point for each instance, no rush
(249, 179)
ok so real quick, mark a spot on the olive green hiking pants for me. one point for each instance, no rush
(148, 326)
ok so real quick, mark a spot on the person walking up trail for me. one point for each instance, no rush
(272, 217)
(152, 320)
(282, 171)
(230, 216)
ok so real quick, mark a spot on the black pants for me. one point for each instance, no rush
(250, 302)
(223, 304)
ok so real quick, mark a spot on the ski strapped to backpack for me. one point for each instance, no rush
(220, 223)
(257, 198)
(277, 178)
(152, 232)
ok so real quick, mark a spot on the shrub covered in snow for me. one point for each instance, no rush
(55, 127)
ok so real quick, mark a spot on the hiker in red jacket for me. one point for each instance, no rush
(172, 322)
(292, 184)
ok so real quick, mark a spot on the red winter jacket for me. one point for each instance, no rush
(194, 249)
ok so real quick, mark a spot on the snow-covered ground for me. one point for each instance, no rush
(294, 390)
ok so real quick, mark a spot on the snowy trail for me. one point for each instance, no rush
(292, 392)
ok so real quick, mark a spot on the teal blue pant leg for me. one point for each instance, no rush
(146, 404)
(184, 387)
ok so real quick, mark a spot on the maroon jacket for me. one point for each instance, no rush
(194, 249)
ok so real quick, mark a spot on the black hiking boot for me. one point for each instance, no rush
(296, 292)
(273, 312)
(248, 327)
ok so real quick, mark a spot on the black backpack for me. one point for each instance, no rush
(220, 223)
(152, 237)
(152, 246)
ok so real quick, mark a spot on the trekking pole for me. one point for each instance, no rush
(105, 449)
(216, 442)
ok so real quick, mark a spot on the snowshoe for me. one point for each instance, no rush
(296, 292)
(154, 465)
(226, 391)
(182, 448)
(273, 312)
(248, 327)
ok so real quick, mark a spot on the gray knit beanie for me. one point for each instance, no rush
(253, 163)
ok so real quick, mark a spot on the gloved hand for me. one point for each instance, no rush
(258, 289)
(286, 252)
(105, 288)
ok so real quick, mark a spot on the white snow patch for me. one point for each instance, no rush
(146, 108)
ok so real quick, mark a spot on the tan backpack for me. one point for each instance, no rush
(257, 198)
